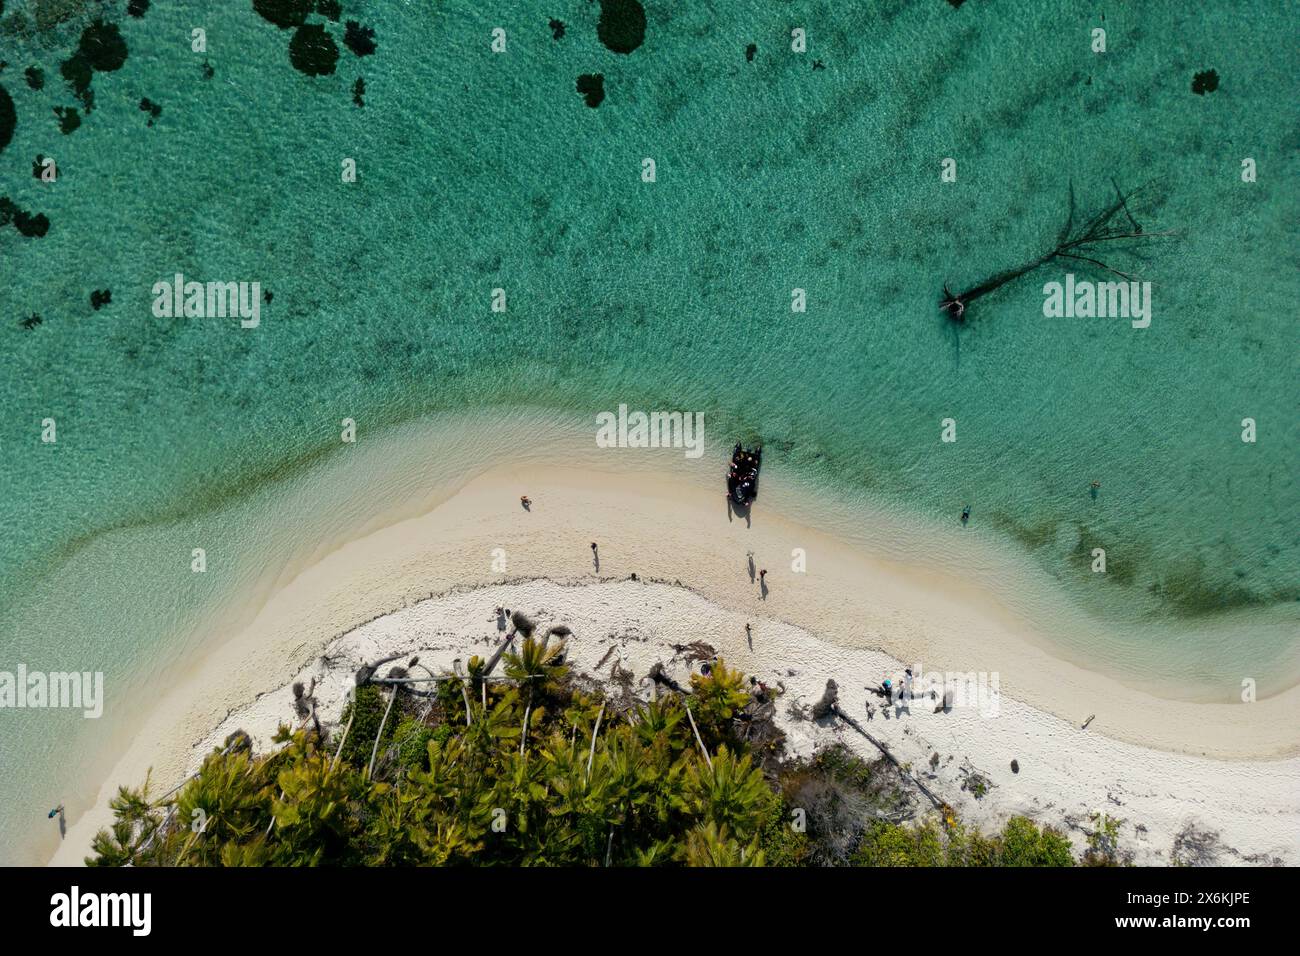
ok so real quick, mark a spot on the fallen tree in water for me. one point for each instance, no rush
(1071, 243)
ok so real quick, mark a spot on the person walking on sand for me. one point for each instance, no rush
(55, 812)
(762, 574)
(525, 501)
(593, 547)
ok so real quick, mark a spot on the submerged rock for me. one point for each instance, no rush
(621, 27)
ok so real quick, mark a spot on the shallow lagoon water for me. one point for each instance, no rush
(479, 170)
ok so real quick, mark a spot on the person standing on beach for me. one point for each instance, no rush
(525, 501)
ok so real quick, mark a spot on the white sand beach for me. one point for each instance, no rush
(429, 581)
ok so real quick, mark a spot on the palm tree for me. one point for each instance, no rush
(535, 666)
(710, 844)
(730, 792)
(718, 696)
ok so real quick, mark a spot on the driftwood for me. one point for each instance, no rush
(829, 704)
(397, 672)
(699, 740)
(1071, 243)
(594, 731)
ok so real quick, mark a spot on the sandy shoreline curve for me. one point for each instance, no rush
(663, 527)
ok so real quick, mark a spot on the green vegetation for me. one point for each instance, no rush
(550, 771)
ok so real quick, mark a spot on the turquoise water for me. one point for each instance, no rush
(480, 170)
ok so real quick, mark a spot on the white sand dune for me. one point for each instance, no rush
(433, 581)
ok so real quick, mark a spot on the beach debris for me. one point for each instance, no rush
(1087, 722)
(367, 671)
(1072, 243)
(695, 651)
(660, 676)
(827, 705)
(948, 699)
(524, 625)
(302, 698)
(975, 783)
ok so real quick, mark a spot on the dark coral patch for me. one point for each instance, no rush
(622, 25)
(103, 47)
(76, 70)
(31, 322)
(137, 8)
(68, 119)
(33, 227)
(592, 87)
(35, 77)
(1206, 82)
(100, 298)
(153, 109)
(957, 3)
(359, 92)
(329, 9)
(312, 51)
(8, 118)
(557, 29)
(283, 13)
(359, 39)
(750, 52)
